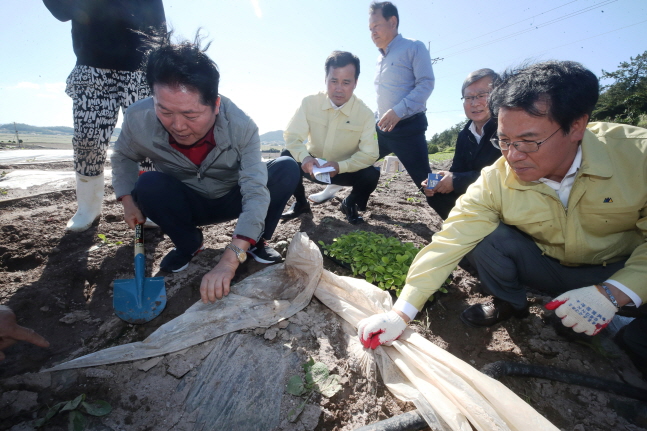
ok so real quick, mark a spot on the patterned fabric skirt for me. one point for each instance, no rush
(97, 96)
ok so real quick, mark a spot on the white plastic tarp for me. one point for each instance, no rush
(449, 393)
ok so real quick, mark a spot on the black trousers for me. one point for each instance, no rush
(364, 182)
(179, 210)
(443, 203)
(408, 142)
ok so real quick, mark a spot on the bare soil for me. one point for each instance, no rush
(60, 284)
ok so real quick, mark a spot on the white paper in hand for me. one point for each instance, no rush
(321, 174)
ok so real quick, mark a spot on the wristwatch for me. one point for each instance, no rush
(240, 253)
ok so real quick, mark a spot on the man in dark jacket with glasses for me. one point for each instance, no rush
(473, 148)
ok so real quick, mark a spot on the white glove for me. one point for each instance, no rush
(380, 329)
(584, 309)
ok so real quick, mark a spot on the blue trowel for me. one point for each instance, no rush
(141, 299)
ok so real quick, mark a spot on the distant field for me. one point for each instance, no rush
(65, 141)
(269, 147)
(42, 140)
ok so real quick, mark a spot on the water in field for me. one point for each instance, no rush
(25, 178)
(37, 156)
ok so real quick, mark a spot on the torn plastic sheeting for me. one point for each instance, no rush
(261, 300)
(457, 393)
(449, 393)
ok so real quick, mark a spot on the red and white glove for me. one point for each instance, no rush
(583, 310)
(380, 329)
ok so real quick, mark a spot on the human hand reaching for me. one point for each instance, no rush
(583, 310)
(383, 328)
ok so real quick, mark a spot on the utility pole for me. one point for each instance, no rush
(433, 60)
(17, 137)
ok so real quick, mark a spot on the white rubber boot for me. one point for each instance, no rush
(326, 195)
(89, 196)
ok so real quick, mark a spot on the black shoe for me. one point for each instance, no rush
(296, 210)
(350, 210)
(175, 261)
(263, 253)
(490, 313)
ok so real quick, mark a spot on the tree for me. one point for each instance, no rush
(445, 139)
(625, 100)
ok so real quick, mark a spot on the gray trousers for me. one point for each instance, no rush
(508, 260)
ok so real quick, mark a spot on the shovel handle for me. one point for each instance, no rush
(139, 239)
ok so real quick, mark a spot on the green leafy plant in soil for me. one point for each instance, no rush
(105, 240)
(76, 419)
(317, 379)
(380, 260)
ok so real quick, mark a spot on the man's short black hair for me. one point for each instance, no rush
(183, 64)
(569, 89)
(388, 10)
(341, 59)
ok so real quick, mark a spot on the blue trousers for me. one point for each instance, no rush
(179, 210)
(408, 142)
(507, 260)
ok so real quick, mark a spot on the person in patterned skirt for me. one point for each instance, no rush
(109, 39)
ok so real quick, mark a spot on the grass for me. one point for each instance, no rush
(440, 157)
(28, 138)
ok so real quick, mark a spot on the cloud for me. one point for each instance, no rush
(257, 8)
(55, 87)
(27, 85)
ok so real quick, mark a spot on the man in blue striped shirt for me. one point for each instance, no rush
(404, 81)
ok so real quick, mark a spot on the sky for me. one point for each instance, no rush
(271, 53)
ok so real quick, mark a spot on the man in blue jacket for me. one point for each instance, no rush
(404, 81)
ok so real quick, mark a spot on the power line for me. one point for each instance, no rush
(553, 21)
(503, 28)
(570, 43)
(591, 37)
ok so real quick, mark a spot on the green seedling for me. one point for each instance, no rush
(3, 191)
(380, 260)
(76, 419)
(105, 240)
(390, 180)
(317, 379)
(413, 200)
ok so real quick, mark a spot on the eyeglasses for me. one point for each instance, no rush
(478, 98)
(521, 146)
